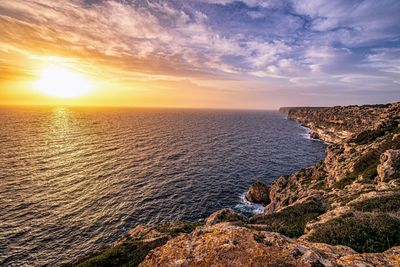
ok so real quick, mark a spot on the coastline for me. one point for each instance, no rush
(313, 212)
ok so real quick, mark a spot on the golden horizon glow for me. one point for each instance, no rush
(60, 82)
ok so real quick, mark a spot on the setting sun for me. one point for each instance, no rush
(60, 82)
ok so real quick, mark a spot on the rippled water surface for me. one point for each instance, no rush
(74, 179)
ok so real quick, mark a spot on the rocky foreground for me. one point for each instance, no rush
(343, 211)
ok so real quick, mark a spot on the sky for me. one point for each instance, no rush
(247, 54)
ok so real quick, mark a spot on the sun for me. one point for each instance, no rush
(56, 81)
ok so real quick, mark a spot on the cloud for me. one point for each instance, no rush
(293, 43)
(368, 21)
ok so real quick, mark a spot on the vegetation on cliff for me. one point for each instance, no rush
(363, 232)
(133, 248)
(291, 221)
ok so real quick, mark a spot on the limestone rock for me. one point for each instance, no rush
(228, 245)
(389, 166)
(225, 244)
(356, 159)
(224, 215)
(390, 258)
(337, 124)
(258, 193)
(314, 135)
(144, 234)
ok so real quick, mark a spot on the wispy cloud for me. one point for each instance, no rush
(293, 44)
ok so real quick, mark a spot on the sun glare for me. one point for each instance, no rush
(60, 82)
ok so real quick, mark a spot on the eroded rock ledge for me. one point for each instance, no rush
(343, 211)
(336, 124)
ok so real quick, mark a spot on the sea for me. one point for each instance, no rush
(74, 179)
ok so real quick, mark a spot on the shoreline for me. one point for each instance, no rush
(355, 189)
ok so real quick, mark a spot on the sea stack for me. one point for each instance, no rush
(258, 193)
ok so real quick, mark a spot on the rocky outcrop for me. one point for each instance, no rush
(225, 244)
(258, 193)
(390, 257)
(364, 160)
(224, 215)
(285, 109)
(389, 166)
(359, 175)
(336, 124)
(132, 248)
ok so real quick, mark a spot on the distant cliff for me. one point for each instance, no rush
(343, 211)
(363, 139)
(335, 124)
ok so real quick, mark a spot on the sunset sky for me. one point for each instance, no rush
(246, 54)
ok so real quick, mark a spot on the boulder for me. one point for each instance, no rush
(258, 193)
(224, 215)
(314, 135)
(389, 166)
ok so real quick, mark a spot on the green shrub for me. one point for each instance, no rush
(319, 185)
(292, 220)
(370, 173)
(364, 232)
(286, 201)
(344, 182)
(380, 204)
(367, 161)
(258, 239)
(293, 187)
(176, 228)
(365, 166)
(371, 135)
(396, 130)
(367, 137)
(130, 253)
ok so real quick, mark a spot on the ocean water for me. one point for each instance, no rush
(73, 180)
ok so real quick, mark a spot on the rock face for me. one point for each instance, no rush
(363, 156)
(258, 193)
(359, 175)
(224, 215)
(388, 258)
(131, 249)
(225, 244)
(389, 166)
(337, 123)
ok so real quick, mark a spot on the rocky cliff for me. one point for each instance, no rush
(343, 211)
(335, 124)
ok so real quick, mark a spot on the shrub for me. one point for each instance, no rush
(344, 182)
(370, 173)
(396, 130)
(176, 228)
(380, 204)
(319, 185)
(130, 253)
(365, 166)
(367, 137)
(371, 135)
(364, 232)
(292, 220)
(367, 161)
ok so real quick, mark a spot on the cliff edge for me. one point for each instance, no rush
(343, 211)
(336, 124)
